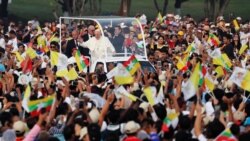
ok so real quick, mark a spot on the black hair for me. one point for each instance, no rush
(62, 109)
(113, 116)
(132, 115)
(244, 137)
(160, 111)
(53, 139)
(214, 128)
(184, 122)
(5, 118)
(228, 36)
(31, 121)
(182, 136)
(94, 132)
(235, 129)
(68, 132)
(12, 32)
(14, 111)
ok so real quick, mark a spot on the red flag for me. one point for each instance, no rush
(26, 65)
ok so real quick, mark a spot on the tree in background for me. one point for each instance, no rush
(124, 9)
(79, 7)
(215, 8)
(164, 9)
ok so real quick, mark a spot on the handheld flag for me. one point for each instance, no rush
(191, 86)
(241, 77)
(81, 62)
(132, 65)
(26, 98)
(213, 40)
(149, 95)
(159, 18)
(121, 80)
(124, 92)
(236, 25)
(31, 53)
(40, 103)
(58, 59)
(226, 135)
(242, 49)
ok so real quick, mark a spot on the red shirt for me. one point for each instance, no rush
(131, 138)
(19, 138)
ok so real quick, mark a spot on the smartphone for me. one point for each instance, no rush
(159, 64)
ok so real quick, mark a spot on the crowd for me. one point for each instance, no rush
(198, 91)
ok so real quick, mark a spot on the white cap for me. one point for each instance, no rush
(131, 127)
(239, 18)
(19, 126)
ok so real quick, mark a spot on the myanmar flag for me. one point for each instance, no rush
(213, 40)
(81, 62)
(226, 135)
(40, 103)
(132, 65)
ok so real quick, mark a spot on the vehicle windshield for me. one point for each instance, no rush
(125, 35)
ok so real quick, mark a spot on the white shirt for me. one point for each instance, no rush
(2, 43)
(99, 48)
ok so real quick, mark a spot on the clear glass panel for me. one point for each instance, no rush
(124, 34)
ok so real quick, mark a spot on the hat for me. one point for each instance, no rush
(30, 22)
(144, 106)
(239, 18)
(94, 115)
(247, 121)
(221, 18)
(181, 33)
(131, 127)
(177, 17)
(19, 127)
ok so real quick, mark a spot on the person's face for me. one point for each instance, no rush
(117, 31)
(91, 30)
(21, 49)
(225, 40)
(236, 37)
(163, 55)
(111, 66)
(180, 37)
(52, 47)
(75, 35)
(97, 34)
(160, 40)
(8, 48)
(151, 58)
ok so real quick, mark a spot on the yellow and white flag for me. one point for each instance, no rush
(241, 77)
